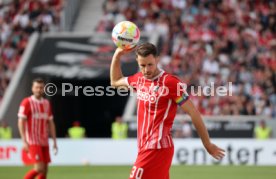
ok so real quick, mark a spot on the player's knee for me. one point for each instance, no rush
(40, 169)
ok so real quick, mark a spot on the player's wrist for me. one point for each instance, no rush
(207, 144)
(118, 55)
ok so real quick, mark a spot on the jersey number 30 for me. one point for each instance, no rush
(136, 173)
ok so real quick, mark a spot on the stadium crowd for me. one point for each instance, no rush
(205, 42)
(18, 20)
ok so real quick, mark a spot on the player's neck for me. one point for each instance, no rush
(37, 97)
(158, 72)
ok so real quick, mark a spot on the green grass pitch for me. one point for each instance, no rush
(122, 172)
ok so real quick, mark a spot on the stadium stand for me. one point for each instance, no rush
(205, 42)
(18, 20)
(240, 51)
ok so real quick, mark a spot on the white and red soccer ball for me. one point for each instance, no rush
(125, 35)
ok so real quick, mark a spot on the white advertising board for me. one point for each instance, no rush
(110, 152)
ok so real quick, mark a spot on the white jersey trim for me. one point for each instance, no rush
(126, 80)
(22, 116)
(145, 112)
(155, 109)
(157, 76)
(32, 133)
(162, 124)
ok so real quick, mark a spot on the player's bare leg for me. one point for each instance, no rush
(37, 171)
(43, 175)
(46, 169)
(41, 168)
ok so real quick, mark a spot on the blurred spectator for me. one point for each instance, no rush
(5, 131)
(212, 41)
(185, 130)
(18, 20)
(262, 131)
(76, 131)
(119, 129)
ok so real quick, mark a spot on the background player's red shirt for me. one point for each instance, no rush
(37, 113)
(157, 101)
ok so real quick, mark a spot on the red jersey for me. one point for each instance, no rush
(37, 113)
(157, 101)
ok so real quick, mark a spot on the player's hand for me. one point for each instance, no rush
(215, 151)
(120, 51)
(25, 146)
(55, 149)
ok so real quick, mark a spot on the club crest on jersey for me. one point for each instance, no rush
(37, 157)
(155, 89)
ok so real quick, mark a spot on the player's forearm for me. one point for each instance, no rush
(190, 109)
(200, 128)
(115, 69)
(21, 128)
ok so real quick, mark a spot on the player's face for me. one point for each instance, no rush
(38, 89)
(148, 66)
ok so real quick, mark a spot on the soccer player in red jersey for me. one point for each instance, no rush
(35, 121)
(158, 95)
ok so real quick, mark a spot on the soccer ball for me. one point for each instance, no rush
(125, 35)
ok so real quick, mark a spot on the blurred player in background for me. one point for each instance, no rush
(5, 131)
(35, 121)
(158, 95)
(76, 131)
(119, 129)
(262, 131)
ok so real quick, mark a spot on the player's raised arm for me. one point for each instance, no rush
(212, 149)
(117, 78)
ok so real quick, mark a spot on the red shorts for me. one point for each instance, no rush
(152, 164)
(39, 153)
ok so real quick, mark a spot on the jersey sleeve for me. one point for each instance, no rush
(177, 90)
(24, 109)
(132, 81)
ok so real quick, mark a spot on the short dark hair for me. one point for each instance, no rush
(146, 49)
(38, 80)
